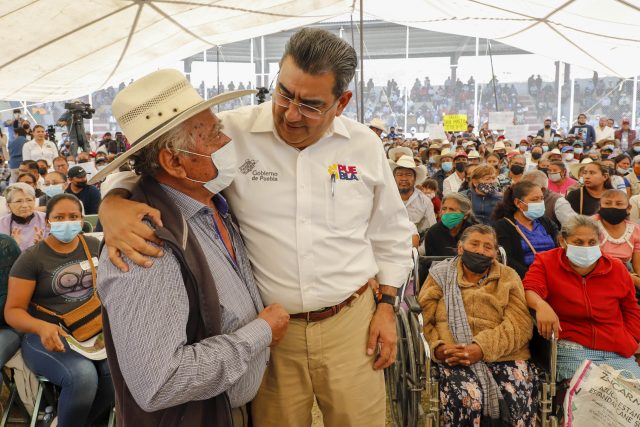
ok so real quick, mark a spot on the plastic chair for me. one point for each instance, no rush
(91, 219)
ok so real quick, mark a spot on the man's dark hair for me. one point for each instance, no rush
(31, 176)
(60, 197)
(31, 164)
(60, 158)
(20, 131)
(318, 51)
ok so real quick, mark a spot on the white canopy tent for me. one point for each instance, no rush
(62, 49)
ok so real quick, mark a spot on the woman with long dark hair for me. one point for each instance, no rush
(586, 199)
(523, 231)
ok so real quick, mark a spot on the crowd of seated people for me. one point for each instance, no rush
(467, 195)
(44, 275)
(559, 219)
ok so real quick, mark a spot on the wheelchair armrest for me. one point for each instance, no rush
(412, 302)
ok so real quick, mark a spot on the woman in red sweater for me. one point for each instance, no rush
(587, 299)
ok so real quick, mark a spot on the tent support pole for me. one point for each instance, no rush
(560, 80)
(634, 102)
(493, 76)
(406, 90)
(204, 62)
(476, 113)
(361, 61)
(253, 67)
(355, 83)
(573, 90)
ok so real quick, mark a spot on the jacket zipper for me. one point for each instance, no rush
(586, 297)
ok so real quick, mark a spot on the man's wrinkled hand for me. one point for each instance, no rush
(278, 319)
(383, 330)
(126, 234)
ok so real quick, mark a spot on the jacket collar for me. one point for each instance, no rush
(603, 266)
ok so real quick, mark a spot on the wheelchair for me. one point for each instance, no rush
(412, 382)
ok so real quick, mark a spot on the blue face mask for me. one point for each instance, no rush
(545, 148)
(447, 166)
(636, 149)
(583, 256)
(534, 210)
(53, 189)
(65, 231)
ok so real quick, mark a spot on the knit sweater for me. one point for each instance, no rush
(497, 312)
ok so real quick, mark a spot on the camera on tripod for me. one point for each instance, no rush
(262, 94)
(51, 133)
(80, 108)
(73, 119)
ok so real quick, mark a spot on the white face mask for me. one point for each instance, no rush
(568, 156)
(226, 162)
(555, 177)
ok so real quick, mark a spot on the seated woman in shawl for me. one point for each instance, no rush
(478, 326)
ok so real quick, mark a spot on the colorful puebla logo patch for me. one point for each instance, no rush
(343, 172)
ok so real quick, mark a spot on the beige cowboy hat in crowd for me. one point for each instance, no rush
(574, 169)
(152, 106)
(377, 123)
(408, 163)
(397, 152)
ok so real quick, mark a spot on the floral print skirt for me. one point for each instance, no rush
(461, 394)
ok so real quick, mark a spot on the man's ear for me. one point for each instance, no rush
(343, 101)
(171, 163)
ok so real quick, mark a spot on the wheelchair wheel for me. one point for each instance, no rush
(411, 379)
(397, 375)
(393, 381)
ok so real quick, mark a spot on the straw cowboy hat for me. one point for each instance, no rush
(408, 163)
(378, 124)
(152, 106)
(574, 169)
(397, 152)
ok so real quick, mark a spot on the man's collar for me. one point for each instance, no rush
(189, 206)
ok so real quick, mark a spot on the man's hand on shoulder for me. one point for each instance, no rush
(125, 233)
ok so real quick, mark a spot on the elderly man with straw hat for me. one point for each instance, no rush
(187, 339)
(419, 206)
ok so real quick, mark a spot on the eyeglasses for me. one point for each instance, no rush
(22, 202)
(304, 109)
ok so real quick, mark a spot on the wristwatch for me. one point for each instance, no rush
(388, 299)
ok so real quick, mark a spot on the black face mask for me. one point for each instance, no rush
(81, 184)
(613, 215)
(42, 171)
(501, 155)
(477, 263)
(460, 167)
(547, 126)
(545, 170)
(83, 161)
(536, 155)
(517, 169)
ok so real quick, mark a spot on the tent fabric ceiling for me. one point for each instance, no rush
(599, 35)
(62, 49)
